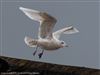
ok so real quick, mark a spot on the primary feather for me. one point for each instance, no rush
(47, 22)
(67, 30)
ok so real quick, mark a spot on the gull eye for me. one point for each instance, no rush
(62, 42)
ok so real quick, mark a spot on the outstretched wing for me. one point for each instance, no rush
(67, 30)
(47, 22)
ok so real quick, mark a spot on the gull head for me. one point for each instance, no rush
(63, 44)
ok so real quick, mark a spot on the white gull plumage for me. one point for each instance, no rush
(47, 40)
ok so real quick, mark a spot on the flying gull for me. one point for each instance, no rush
(47, 40)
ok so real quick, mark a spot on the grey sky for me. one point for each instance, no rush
(82, 15)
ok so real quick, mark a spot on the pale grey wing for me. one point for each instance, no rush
(67, 30)
(32, 14)
(47, 22)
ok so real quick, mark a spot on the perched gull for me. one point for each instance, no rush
(47, 40)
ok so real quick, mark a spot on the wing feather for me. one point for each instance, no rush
(67, 30)
(32, 14)
(47, 22)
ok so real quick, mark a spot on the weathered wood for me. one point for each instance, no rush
(20, 65)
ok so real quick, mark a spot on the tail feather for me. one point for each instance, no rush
(30, 42)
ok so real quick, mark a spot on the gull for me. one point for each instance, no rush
(47, 39)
